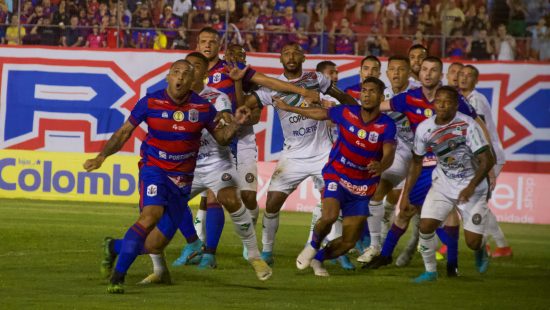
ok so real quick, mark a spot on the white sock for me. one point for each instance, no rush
(389, 215)
(336, 231)
(159, 263)
(200, 224)
(242, 222)
(428, 245)
(493, 230)
(270, 225)
(376, 210)
(254, 214)
(315, 216)
(413, 241)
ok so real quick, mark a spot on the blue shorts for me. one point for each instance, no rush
(350, 204)
(155, 188)
(422, 186)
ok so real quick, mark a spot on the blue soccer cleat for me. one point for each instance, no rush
(268, 258)
(208, 261)
(190, 254)
(245, 253)
(426, 277)
(482, 260)
(345, 263)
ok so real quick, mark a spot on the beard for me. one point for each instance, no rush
(296, 70)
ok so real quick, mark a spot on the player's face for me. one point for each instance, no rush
(368, 69)
(236, 55)
(209, 45)
(179, 79)
(398, 73)
(467, 79)
(200, 69)
(430, 74)
(416, 57)
(445, 106)
(370, 96)
(292, 58)
(331, 72)
(452, 75)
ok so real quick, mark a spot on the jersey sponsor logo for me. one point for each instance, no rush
(151, 190)
(362, 134)
(360, 190)
(296, 119)
(162, 154)
(304, 131)
(373, 137)
(193, 116)
(178, 127)
(249, 177)
(332, 186)
(178, 116)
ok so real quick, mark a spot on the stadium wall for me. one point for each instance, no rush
(69, 101)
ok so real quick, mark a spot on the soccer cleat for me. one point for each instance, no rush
(318, 268)
(245, 253)
(304, 258)
(482, 260)
(208, 261)
(262, 269)
(502, 252)
(426, 277)
(452, 271)
(404, 259)
(109, 258)
(267, 257)
(371, 252)
(154, 278)
(378, 262)
(345, 263)
(190, 254)
(440, 254)
(115, 288)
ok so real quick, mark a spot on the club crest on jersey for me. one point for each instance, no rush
(418, 111)
(226, 177)
(457, 131)
(178, 116)
(249, 177)
(476, 219)
(164, 114)
(152, 190)
(373, 137)
(351, 129)
(217, 77)
(428, 112)
(449, 160)
(362, 134)
(193, 116)
(332, 186)
(452, 145)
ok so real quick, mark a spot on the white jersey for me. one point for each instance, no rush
(414, 83)
(483, 109)
(454, 145)
(405, 136)
(210, 151)
(304, 137)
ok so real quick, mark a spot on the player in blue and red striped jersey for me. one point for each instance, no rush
(364, 149)
(175, 118)
(370, 66)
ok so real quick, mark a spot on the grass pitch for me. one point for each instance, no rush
(50, 254)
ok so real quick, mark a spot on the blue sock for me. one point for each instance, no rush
(365, 236)
(215, 220)
(117, 245)
(442, 235)
(392, 238)
(452, 244)
(131, 247)
(186, 226)
(315, 241)
(320, 256)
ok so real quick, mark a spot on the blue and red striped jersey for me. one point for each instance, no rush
(358, 145)
(354, 91)
(219, 79)
(174, 132)
(417, 107)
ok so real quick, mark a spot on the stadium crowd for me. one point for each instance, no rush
(458, 29)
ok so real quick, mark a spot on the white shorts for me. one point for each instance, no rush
(247, 169)
(397, 172)
(474, 213)
(498, 169)
(214, 180)
(290, 172)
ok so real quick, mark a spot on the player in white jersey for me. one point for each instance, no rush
(214, 171)
(467, 81)
(417, 53)
(464, 160)
(306, 147)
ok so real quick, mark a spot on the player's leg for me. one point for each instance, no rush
(390, 202)
(214, 223)
(247, 172)
(200, 218)
(449, 236)
(474, 216)
(493, 230)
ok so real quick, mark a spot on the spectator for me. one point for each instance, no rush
(302, 39)
(216, 23)
(170, 23)
(479, 22)
(395, 12)
(505, 44)
(223, 5)
(142, 13)
(48, 34)
(72, 36)
(376, 44)
(366, 6)
(451, 17)
(290, 23)
(200, 13)
(457, 45)
(301, 16)
(181, 9)
(161, 40)
(535, 11)
(249, 42)
(539, 33)
(181, 43)
(95, 39)
(479, 47)
(3, 21)
(419, 38)
(344, 38)
(426, 18)
(281, 5)
(61, 16)
(113, 34)
(319, 41)
(414, 11)
(261, 39)
(14, 33)
(143, 37)
(516, 24)
(49, 9)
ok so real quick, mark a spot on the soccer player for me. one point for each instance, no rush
(417, 54)
(452, 74)
(417, 105)
(370, 66)
(464, 160)
(364, 149)
(467, 80)
(307, 145)
(398, 74)
(175, 117)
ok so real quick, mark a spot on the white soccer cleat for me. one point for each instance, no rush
(318, 268)
(370, 253)
(263, 271)
(304, 259)
(154, 278)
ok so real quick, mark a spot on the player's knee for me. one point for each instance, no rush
(231, 202)
(274, 201)
(347, 245)
(249, 199)
(474, 243)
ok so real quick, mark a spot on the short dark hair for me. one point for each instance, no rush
(473, 68)
(199, 56)
(234, 45)
(323, 65)
(434, 59)
(373, 58)
(456, 63)
(398, 58)
(179, 61)
(377, 81)
(208, 30)
(416, 47)
(450, 90)
(292, 43)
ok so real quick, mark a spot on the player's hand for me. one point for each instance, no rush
(375, 168)
(280, 104)
(327, 104)
(242, 115)
(223, 119)
(234, 72)
(465, 194)
(312, 96)
(94, 163)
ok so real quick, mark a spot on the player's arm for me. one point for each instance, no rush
(115, 143)
(224, 134)
(317, 113)
(415, 168)
(385, 106)
(388, 154)
(281, 86)
(341, 96)
(492, 176)
(486, 163)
